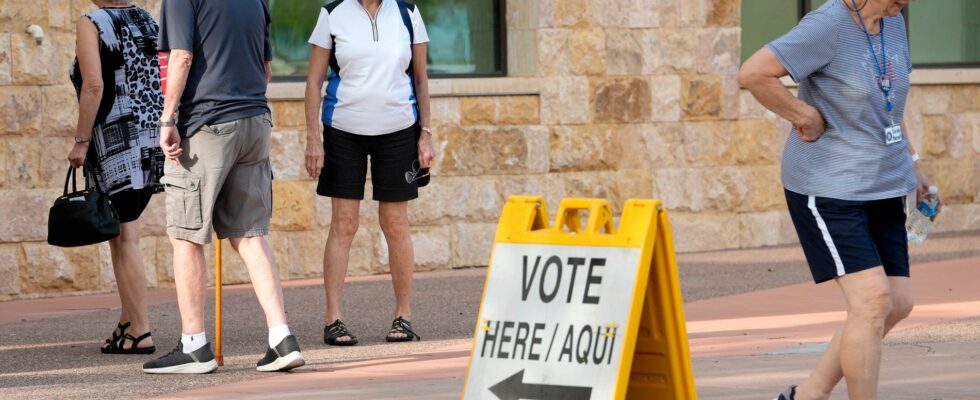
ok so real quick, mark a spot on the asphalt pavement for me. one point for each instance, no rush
(49, 348)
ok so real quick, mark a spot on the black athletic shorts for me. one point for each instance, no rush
(841, 236)
(345, 164)
(131, 203)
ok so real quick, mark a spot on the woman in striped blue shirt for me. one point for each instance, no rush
(846, 169)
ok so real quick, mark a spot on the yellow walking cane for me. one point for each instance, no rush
(217, 302)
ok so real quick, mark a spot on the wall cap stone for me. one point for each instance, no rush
(457, 87)
(940, 76)
(930, 76)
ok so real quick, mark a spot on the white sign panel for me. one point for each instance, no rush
(553, 322)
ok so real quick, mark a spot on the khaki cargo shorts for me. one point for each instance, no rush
(223, 179)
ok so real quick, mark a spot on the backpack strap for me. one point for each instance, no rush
(332, 5)
(333, 78)
(403, 8)
(329, 8)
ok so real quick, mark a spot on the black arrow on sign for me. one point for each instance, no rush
(514, 388)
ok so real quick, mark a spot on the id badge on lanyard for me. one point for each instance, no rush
(893, 133)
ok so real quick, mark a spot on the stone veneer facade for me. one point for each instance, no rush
(606, 98)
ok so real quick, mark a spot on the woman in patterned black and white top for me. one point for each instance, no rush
(117, 77)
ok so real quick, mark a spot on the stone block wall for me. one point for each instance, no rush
(625, 98)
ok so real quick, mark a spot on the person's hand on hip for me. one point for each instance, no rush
(812, 126)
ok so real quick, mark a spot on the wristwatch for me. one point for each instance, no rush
(915, 157)
(427, 130)
(166, 124)
(79, 139)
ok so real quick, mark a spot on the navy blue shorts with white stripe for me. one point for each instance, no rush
(841, 236)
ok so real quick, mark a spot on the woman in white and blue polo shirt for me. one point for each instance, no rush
(376, 107)
(846, 168)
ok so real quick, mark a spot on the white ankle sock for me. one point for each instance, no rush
(193, 342)
(277, 334)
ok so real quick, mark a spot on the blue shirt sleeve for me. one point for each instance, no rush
(178, 20)
(808, 47)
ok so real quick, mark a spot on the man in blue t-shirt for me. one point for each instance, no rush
(215, 130)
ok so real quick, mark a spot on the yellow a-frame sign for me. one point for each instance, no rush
(580, 309)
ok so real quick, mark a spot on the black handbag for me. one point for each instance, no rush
(81, 218)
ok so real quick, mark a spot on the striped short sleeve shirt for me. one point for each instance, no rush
(829, 56)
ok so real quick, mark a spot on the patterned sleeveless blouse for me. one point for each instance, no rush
(125, 149)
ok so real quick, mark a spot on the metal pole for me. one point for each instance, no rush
(217, 302)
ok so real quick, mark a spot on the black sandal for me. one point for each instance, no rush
(403, 326)
(116, 345)
(335, 331)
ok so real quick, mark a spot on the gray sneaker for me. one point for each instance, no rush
(788, 394)
(284, 357)
(201, 361)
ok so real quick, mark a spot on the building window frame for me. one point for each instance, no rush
(500, 26)
(500, 35)
(804, 6)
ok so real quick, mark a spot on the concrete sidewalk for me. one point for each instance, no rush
(805, 314)
(751, 346)
(757, 324)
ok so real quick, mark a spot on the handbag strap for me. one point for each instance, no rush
(70, 177)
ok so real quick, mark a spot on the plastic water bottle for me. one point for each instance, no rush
(920, 219)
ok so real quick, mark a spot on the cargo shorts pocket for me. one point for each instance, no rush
(183, 200)
(222, 129)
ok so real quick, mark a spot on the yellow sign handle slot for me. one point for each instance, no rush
(599, 219)
(527, 213)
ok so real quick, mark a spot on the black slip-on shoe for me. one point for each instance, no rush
(787, 394)
(284, 357)
(201, 361)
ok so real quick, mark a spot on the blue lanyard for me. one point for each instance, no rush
(884, 82)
